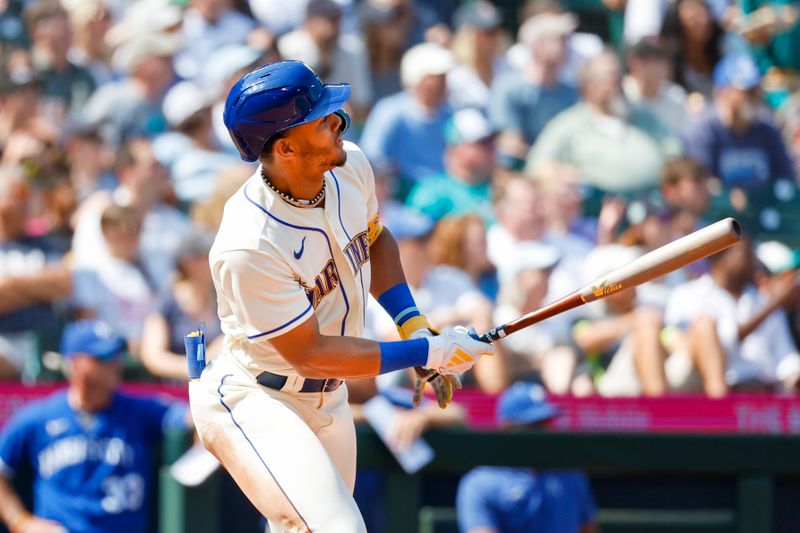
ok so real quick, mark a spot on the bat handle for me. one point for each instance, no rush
(493, 334)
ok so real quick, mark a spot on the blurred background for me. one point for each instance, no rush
(521, 149)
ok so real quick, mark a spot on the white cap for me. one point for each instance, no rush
(426, 59)
(226, 61)
(776, 256)
(466, 126)
(603, 259)
(182, 101)
(128, 56)
(144, 17)
(544, 24)
(531, 255)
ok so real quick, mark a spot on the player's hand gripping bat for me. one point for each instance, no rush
(654, 264)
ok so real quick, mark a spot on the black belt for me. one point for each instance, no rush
(274, 381)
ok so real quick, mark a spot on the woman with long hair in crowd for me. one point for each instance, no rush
(694, 40)
(461, 242)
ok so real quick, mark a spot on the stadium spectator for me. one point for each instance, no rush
(117, 290)
(772, 31)
(222, 70)
(789, 119)
(465, 187)
(521, 218)
(142, 185)
(208, 25)
(524, 101)
(33, 279)
(92, 449)
(190, 304)
(562, 201)
(737, 337)
(648, 84)
(386, 27)
(479, 48)
(91, 21)
(132, 106)
(685, 189)
(543, 351)
(518, 500)
(190, 150)
(733, 138)
(695, 42)
(20, 89)
(336, 57)
(461, 242)
(66, 86)
(89, 161)
(620, 339)
(207, 214)
(617, 147)
(407, 128)
(57, 203)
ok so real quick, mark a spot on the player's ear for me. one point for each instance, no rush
(283, 148)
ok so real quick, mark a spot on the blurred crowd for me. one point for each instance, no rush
(516, 157)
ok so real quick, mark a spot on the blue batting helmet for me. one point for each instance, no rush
(276, 97)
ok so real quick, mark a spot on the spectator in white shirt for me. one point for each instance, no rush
(117, 290)
(737, 336)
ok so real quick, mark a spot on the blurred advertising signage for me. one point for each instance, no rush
(672, 414)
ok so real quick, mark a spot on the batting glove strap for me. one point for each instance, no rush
(416, 328)
(455, 351)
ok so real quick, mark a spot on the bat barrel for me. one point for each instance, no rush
(661, 261)
(672, 256)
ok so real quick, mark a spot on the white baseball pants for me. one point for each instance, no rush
(293, 455)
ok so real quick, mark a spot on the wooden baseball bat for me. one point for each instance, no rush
(663, 260)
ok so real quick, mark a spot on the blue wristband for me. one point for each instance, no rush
(399, 303)
(403, 354)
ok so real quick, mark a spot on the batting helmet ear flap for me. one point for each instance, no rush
(345, 120)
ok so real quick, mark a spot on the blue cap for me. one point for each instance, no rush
(738, 71)
(525, 403)
(91, 337)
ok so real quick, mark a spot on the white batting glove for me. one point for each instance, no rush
(454, 351)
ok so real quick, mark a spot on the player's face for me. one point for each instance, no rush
(318, 144)
(95, 378)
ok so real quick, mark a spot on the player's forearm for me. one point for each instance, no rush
(11, 509)
(340, 357)
(386, 268)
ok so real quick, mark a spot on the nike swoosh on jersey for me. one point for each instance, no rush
(299, 253)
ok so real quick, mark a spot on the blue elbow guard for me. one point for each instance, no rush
(195, 344)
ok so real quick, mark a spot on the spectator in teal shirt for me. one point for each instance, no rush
(776, 49)
(465, 187)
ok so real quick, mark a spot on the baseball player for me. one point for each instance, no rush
(299, 249)
(91, 448)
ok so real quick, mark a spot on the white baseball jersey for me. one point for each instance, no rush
(275, 265)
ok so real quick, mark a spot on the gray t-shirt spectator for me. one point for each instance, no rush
(613, 154)
(516, 104)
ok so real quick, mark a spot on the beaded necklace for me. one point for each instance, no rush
(291, 200)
